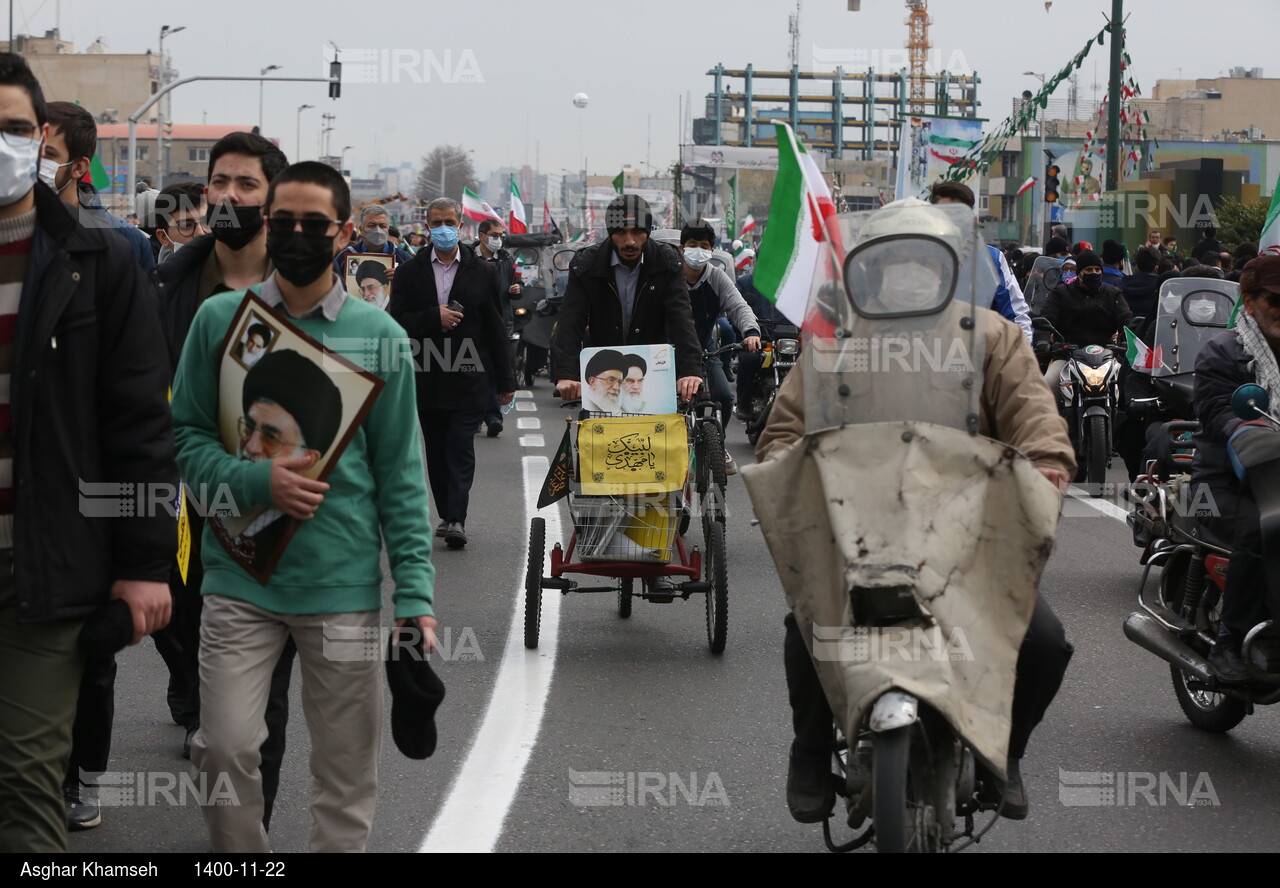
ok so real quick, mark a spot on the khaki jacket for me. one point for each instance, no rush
(1017, 407)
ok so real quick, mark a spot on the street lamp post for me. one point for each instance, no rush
(342, 157)
(1037, 206)
(164, 78)
(261, 87)
(297, 145)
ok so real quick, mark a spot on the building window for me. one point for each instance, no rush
(144, 152)
(198, 155)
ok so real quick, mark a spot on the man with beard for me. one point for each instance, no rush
(372, 278)
(232, 257)
(327, 583)
(291, 411)
(605, 370)
(255, 345)
(633, 384)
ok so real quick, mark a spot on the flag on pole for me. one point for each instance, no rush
(731, 209)
(555, 229)
(748, 223)
(546, 217)
(474, 208)
(1026, 186)
(1269, 242)
(579, 238)
(516, 223)
(802, 232)
(98, 175)
(1141, 358)
(617, 183)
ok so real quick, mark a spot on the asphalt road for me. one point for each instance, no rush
(645, 741)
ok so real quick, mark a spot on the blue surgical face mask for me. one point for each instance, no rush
(444, 238)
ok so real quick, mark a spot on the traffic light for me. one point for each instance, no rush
(335, 78)
(1051, 183)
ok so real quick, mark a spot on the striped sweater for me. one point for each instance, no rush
(15, 249)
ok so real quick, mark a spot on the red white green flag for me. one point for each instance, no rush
(476, 209)
(516, 224)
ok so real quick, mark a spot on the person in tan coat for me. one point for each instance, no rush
(1018, 410)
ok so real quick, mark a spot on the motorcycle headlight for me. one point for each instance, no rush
(520, 312)
(788, 346)
(1093, 376)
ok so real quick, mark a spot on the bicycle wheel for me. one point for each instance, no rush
(533, 582)
(711, 461)
(716, 570)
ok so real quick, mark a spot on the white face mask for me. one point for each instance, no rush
(49, 173)
(494, 244)
(910, 287)
(696, 257)
(18, 170)
(376, 237)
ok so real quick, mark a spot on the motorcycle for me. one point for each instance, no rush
(1179, 620)
(1089, 390)
(537, 321)
(883, 559)
(780, 350)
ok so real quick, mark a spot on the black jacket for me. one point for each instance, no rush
(505, 264)
(175, 284)
(1221, 367)
(454, 365)
(661, 313)
(89, 405)
(1085, 318)
(1140, 292)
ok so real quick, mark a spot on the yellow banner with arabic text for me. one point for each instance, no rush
(633, 455)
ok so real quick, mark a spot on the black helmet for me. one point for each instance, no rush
(628, 211)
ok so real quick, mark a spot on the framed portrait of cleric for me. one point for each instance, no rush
(630, 380)
(365, 275)
(254, 339)
(296, 399)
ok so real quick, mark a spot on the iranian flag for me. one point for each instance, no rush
(476, 209)
(1141, 358)
(516, 224)
(1026, 186)
(748, 223)
(1269, 242)
(579, 238)
(802, 233)
(742, 255)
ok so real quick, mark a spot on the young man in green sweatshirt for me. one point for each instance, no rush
(327, 583)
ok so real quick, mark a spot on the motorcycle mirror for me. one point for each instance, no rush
(1041, 324)
(1250, 401)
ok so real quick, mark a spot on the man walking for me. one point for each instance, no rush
(489, 248)
(329, 577)
(445, 299)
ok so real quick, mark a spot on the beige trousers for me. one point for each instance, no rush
(341, 700)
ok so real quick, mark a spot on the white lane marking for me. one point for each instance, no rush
(528, 422)
(473, 813)
(524, 393)
(1106, 507)
(526, 406)
(532, 441)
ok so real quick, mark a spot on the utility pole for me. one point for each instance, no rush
(297, 139)
(1113, 96)
(164, 79)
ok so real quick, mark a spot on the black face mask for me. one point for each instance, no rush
(1091, 282)
(234, 226)
(300, 258)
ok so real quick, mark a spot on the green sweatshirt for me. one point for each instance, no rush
(332, 563)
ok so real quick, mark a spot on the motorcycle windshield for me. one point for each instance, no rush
(1046, 273)
(1189, 313)
(899, 336)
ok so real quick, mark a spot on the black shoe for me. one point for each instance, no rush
(455, 537)
(442, 529)
(1227, 663)
(1015, 794)
(811, 795)
(82, 808)
(495, 428)
(180, 708)
(660, 589)
(186, 743)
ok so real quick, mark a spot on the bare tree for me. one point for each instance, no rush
(446, 170)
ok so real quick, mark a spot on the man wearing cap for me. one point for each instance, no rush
(1112, 262)
(605, 371)
(630, 290)
(1246, 354)
(1056, 247)
(1085, 311)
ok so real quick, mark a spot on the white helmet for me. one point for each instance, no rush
(913, 217)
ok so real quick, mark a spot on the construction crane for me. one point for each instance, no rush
(918, 50)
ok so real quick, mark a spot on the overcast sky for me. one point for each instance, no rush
(635, 61)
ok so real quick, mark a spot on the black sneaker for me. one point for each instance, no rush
(1015, 794)
(455, 537)
(82, 808)
(495, 428)
(811, 795)
(442, 529)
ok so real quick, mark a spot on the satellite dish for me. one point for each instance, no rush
(580, 100)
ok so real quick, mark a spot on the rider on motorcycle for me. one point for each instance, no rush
(1243, 355)
(1015, 409)
(1085, 311)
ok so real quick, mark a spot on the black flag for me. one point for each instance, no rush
(556, 486)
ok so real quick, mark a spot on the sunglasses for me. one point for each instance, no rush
(311, 225)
